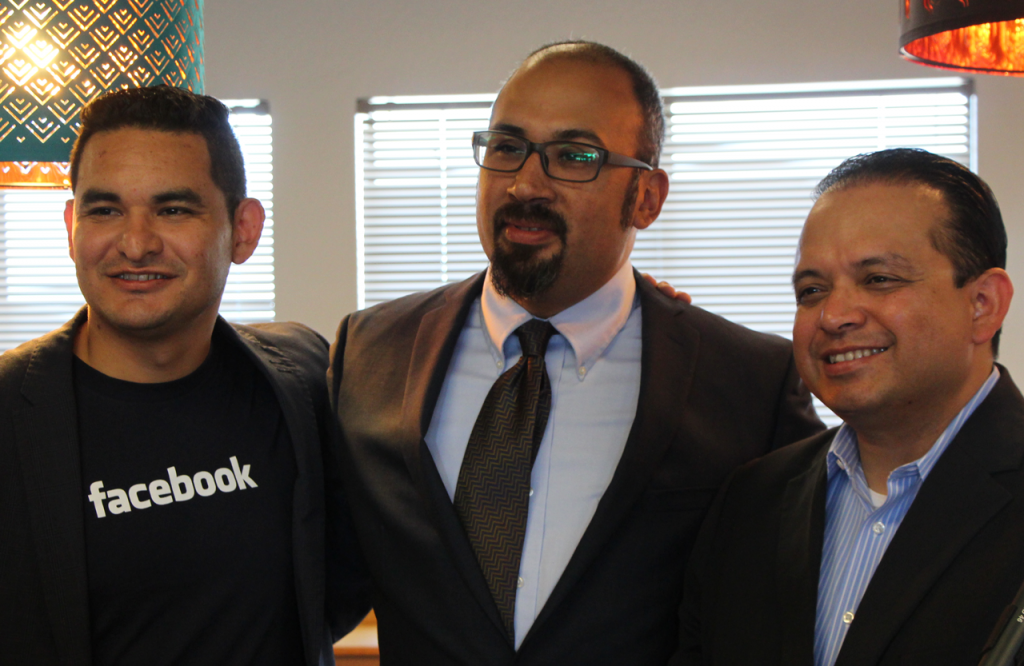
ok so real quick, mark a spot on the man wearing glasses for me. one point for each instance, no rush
(529, 453)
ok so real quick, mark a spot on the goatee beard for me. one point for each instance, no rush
(517, 271)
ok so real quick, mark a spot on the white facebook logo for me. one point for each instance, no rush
(175, 488)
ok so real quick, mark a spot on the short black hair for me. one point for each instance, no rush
(972, 237)
(652, 130)
(168, 109)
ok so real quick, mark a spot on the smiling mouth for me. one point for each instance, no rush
(140, 277)
(854, 355)
(528, 225)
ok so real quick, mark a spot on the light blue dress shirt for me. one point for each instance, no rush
(594, 367)
(857, 533)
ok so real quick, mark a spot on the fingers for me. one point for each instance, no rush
(667, 289)
(670, 291)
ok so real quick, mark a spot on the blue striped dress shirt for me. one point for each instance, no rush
(857, 532)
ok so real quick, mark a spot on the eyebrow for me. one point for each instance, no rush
(561, 135)
(890, 259)
(92, 196)
(184, 194)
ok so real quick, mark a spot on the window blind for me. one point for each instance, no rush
(743, 161)
(38, 289)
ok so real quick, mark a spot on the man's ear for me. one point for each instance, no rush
(991, 293)
(651, 197)
(247, 228)
(69, 223)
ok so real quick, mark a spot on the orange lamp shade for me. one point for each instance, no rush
(985, 36)
(58, 55)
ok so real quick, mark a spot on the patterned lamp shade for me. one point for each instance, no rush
(985, 36)
(57, 55)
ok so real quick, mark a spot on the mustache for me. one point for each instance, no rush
(519, 211)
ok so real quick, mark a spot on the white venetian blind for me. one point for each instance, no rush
(415, 191)
(38, 289)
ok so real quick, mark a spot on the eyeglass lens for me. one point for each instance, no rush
(565, 160)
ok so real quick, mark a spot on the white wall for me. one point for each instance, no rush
(312, 58)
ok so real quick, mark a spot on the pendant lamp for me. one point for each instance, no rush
(984, 36)
(57, 55)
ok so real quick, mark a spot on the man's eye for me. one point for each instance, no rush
(806, 295)
(100, 211)
(175, 210)
(506, 148)
(882, 279)
(576, 156)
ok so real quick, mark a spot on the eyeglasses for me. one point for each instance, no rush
(561, 160)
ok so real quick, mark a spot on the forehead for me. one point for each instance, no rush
(560, 94)
(145, 156)
(860, 222)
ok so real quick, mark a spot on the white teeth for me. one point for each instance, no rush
(141, 277)
(858, 353)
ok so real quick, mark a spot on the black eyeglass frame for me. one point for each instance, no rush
(606, 156)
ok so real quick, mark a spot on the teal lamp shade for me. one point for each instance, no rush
(57, 55)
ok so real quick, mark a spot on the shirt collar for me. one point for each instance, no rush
(843, 453)
(589, 326)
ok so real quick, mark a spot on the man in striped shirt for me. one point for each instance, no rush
(896, 538)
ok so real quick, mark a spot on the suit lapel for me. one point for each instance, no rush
(48, 450)
(801, 538)
(956, 500)
(296, 402)
(431, 355)
(432, 351)
(668, 359)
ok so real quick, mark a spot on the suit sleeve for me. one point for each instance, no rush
(348, 583)
(795, 415)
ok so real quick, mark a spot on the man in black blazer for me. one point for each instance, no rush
(897, 538)
(676, 398)
(161, 471)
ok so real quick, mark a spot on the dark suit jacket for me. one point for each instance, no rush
(712, 396)
(954, 564)
(44, 606)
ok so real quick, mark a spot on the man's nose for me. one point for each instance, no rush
(530, 182)
(139, 237)
(841, 310)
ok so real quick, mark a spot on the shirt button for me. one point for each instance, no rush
(520, 582)
(583, 372)
(878, 528)
(531, 492)
(847, 616)
(500, 364)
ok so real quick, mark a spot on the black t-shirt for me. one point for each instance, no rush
(188, 517)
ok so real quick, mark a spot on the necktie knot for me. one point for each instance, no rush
(534, 336)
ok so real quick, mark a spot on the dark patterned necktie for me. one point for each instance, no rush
(492, 495)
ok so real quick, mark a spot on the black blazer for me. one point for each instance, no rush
(955, 563)
(712, 396)
(44, 606)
